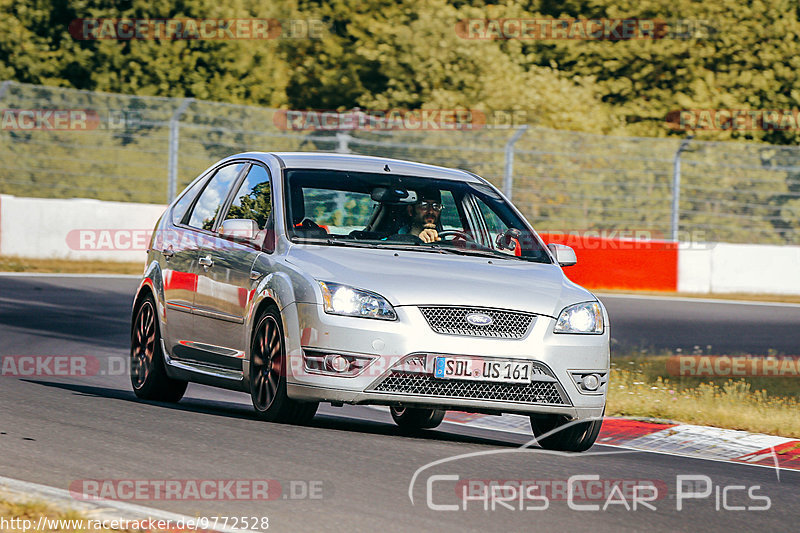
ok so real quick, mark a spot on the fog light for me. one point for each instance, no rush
(590, 382)
(337, 363)
(332, 364)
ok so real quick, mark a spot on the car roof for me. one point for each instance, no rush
(361, 163)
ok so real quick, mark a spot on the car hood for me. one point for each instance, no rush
(423, 278)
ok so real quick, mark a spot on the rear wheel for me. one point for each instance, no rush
(577, 437)
(268, 374)
(148, 374)
(416, 417)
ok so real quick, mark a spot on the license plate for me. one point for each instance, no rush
(472, 369)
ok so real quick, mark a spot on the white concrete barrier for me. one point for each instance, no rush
(44, 228)
(694, 267)
(755, 268)
(747, 268)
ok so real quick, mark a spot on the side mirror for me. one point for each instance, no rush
(239, 228)
(564, 255)
(508, 240)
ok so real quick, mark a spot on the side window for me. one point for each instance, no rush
(496, 226)
(493, 222)
(253, 201)
(182, 205)
(213, 196)
(450, 218)
(499, 218)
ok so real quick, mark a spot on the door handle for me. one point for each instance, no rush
(206, 261)
(168, 253)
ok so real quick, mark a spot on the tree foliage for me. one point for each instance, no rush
(383, 54)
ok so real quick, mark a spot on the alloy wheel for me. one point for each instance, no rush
(144, 344)
(267, 363)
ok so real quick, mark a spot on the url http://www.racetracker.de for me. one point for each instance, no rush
(194, 525)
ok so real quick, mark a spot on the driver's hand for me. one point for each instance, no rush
(429, 234)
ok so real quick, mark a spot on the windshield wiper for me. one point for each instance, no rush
(433, 247)
(413, 247)
(373, 245)
(336, 242)
(476, 253)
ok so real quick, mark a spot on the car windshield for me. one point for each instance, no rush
(341, 208)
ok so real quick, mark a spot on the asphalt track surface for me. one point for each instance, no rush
(653, 325)
(54, 431)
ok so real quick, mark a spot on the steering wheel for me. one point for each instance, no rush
(457, 235)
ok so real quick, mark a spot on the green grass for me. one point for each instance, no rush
(641, 387)
(58, 266)
(33, 511)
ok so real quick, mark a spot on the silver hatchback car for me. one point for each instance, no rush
(302, 278)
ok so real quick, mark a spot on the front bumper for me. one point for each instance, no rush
(560, 358)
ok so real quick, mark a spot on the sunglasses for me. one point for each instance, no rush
(436, 206)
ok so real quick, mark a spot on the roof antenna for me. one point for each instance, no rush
(386, 168)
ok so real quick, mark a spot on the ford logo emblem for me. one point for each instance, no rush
(479, 319)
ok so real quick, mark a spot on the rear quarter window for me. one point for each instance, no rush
(182, 206)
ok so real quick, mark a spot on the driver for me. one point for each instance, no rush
(425, 216)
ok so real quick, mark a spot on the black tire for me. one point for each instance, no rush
(148, 374)
(417, 417)
(577, 437)
(268, 374)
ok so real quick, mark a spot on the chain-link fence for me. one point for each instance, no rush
(143, 149)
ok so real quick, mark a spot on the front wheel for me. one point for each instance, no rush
(575, 437)
(268, 375)
(416, 417)
(148, 374)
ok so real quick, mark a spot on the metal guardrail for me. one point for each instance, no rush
(145, 149)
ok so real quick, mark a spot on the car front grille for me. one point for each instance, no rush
(453, 321)
(537, 392)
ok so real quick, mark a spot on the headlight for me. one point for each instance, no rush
(585, 317)
(340, 299)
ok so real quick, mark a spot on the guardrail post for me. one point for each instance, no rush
(174, 135)
(508, 178)
(676, 188)
(4, 88)
(344, 143)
